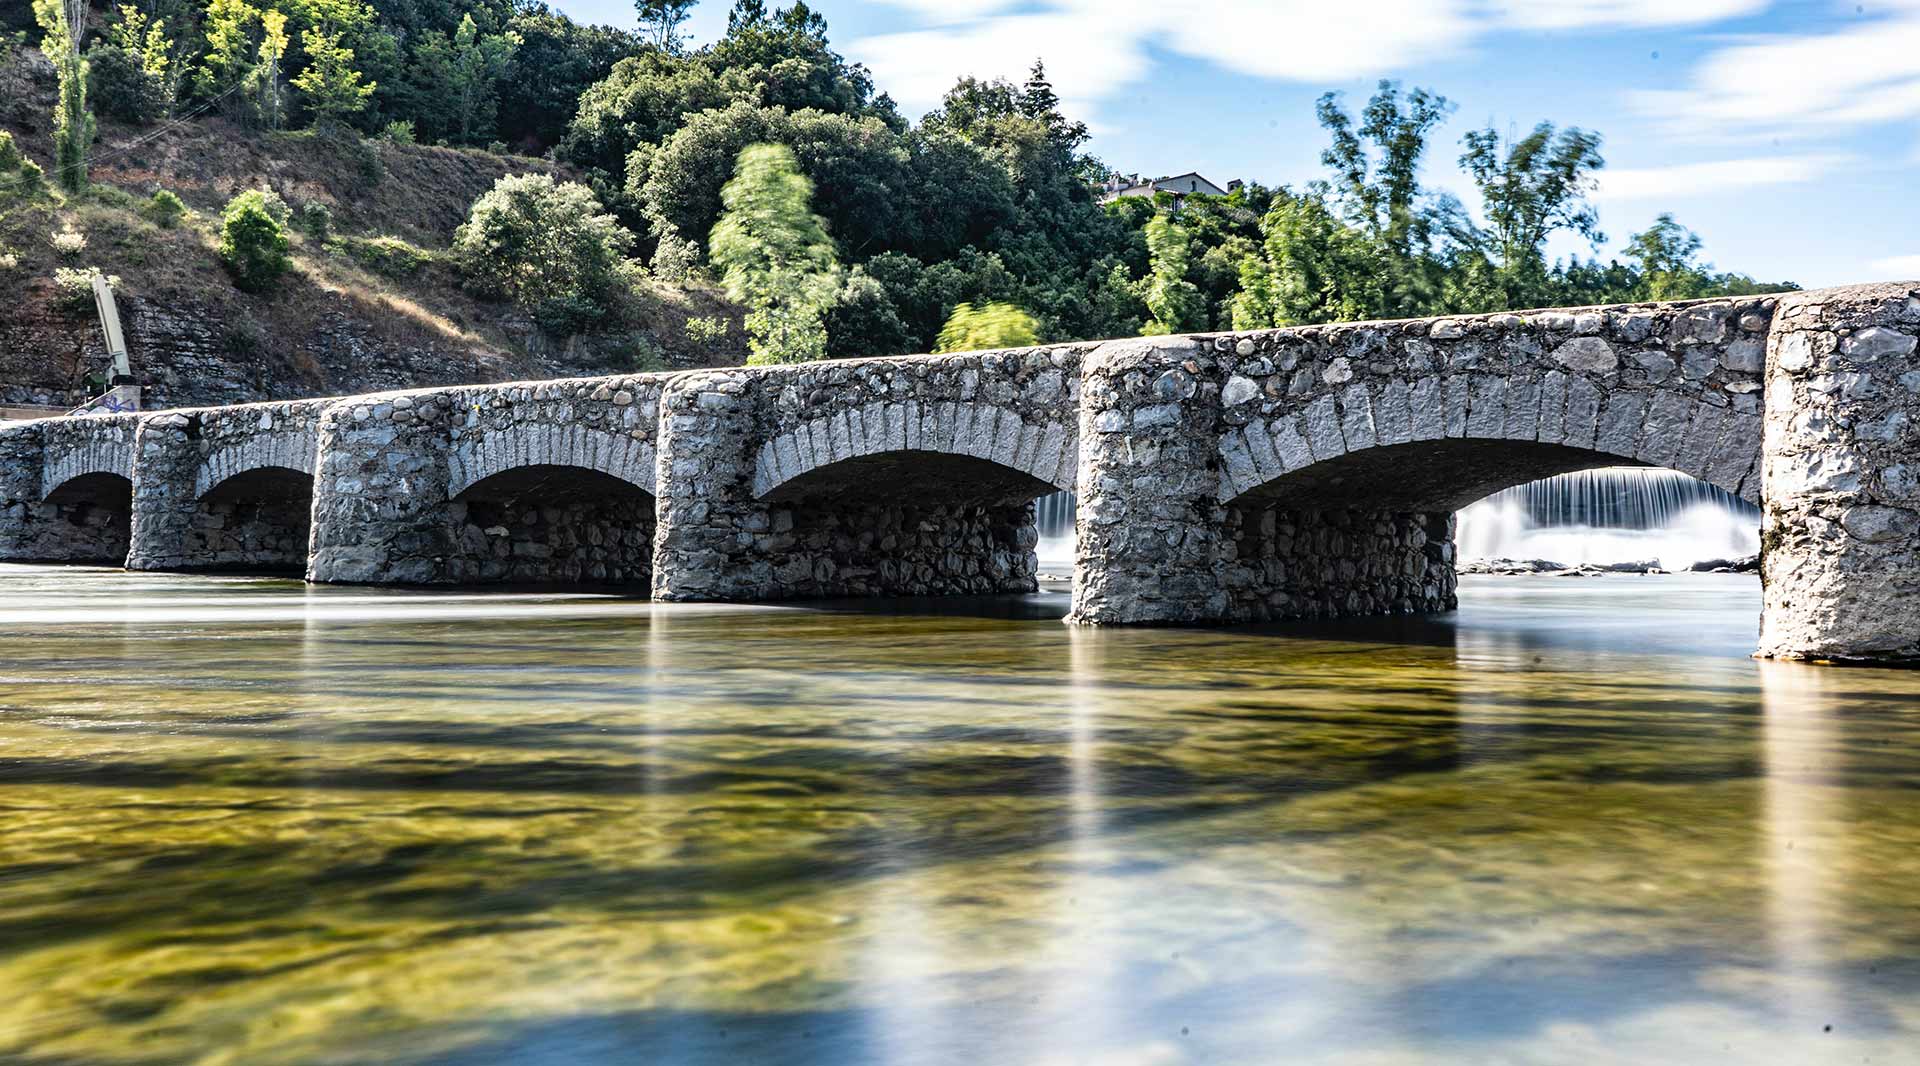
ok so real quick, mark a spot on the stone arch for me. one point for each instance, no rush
(553, 523)
(1438, 443)
(92, 457)
(1047, 452)
(292, 450)
(576, 446)
(88, 517)
(256, 517)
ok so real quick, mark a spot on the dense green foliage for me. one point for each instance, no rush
(855, 231)
(997, 325)
(774, 256)
(164, 209)
(548, 246)
(65, 25)
(253, 241)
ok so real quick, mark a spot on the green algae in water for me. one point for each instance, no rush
(249, 822)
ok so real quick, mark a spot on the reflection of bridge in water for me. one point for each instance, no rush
(1304, 472)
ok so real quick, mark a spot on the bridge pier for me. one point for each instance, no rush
(1840, 534)
(21, 461)
(1150, 519)
(166, 459)
(706, 516)
(380, 506)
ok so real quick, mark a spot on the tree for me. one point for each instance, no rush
(1376, 187)
(549, 247)
(334, 90)
(997, 325)
(265, 75)
(456, 80)
(1529, 189)
(1174, 301)
(660, 22)
(253, 243)
(1667, 255)
(127, 72)
(65, 23)
(774, 255)
(555, 65)
(228, 61)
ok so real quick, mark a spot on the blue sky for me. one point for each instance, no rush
(1787, 134)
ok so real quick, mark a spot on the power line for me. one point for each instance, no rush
(147, 138)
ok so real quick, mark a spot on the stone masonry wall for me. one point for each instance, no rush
(603, 541)
(225, 488)
(1222, 477)
(765, 495)
(1840, 534)
(1329, 564)
(87, 523)
(65, 492)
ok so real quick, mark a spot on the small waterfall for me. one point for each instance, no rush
(1054, 517)
(1611, 515)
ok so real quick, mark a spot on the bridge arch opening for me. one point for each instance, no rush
(1375, 530)
(255, 521)
(906, 522)
(91, 519)
(553, 524)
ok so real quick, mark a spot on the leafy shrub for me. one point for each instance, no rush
(119, 85)
(272, 203)
(643, 356)
(399, 132)
(316, 220)
(705, 330)
(18, 174)
(548, 247)
(165, 209)
(73, 287)
(389, 256)
(997, 325)
(68, 242)
(112, 196)
(253, 243)
(676, 259)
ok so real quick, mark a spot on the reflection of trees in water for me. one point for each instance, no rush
(708, 830)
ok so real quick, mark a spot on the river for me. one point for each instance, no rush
(251, 822)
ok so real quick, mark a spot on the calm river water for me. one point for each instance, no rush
(248, 822)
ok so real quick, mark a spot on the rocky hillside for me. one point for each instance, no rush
(371, 304)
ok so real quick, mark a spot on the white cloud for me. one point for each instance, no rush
(1095, 48)
(1578, 14)
(1865, 73)
(1898, 266)
(1722, 175)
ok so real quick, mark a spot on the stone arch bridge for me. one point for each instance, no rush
(1302, 472)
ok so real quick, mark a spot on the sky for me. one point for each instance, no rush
(1786, 134)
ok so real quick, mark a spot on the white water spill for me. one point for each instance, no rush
(1610, 515)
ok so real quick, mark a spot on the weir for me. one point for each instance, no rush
(1306, 472)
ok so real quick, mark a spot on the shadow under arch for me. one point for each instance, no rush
(93, 513)
(258, 520)
(551, 524)
(907, 522)
(1371, 530)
